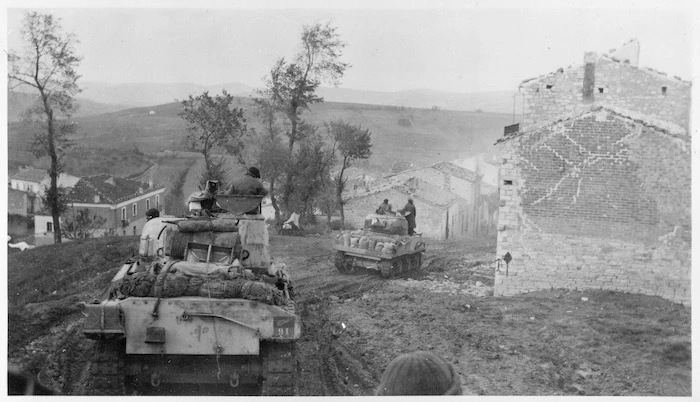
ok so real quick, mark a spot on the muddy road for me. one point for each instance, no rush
(545, 343)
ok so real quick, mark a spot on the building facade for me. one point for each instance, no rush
(440, 214)
(600, 200)
(479, 210)
(121, 202)
(33, 181)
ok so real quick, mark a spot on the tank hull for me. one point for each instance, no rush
(201, 308)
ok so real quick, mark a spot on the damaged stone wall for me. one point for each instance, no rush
(614, 83)
(600, 201)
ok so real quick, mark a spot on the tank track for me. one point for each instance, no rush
(387, 268)
(106, 369)
(400, 265)
(279, 369)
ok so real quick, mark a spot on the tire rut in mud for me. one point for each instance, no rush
(326, 366)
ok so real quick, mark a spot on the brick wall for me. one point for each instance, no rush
(623, 85)
(596, 202)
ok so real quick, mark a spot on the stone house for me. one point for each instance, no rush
(600, 199)
(17, 202)
(122, 202)
(466, 184)
(33, 181)
(612, 79)
(357, 181)
(440, 214)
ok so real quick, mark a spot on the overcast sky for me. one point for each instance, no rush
(459, 47)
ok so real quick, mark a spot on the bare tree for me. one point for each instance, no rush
(291, 85)
(48, 64)
(213, 123)
(351, 142)
(83, 224)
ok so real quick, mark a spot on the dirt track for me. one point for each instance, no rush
(545, 343)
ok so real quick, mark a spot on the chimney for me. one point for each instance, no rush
(589, 60)
(97, 198)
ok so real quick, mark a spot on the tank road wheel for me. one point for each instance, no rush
(279, 368)
(106, 369)
(386, 269)
(396, 267)
(414, 262)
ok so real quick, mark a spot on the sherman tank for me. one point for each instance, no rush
(382, 245)
(201, 310)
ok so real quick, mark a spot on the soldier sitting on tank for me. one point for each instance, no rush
(249, 184)
(152, 213)
(384, 208)
(203, 203)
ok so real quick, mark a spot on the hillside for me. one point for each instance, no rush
(18, 102)
(493, 101)
(419, 136)
(145, 94)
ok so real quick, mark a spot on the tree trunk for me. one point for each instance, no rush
(53, 198)
(339, 194)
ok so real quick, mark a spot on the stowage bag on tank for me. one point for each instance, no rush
(138, 284)
(213, 225)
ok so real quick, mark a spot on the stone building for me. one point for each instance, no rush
(612, 79)
(600, 199)
(440, 214)
(122, 202)
(33, 181)
(466, 184)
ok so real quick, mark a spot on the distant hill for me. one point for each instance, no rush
(18, 102)
(418, 136)
(495, 101)
(147, 94)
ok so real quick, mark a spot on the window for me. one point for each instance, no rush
(508, 182)
(549, 86)
(601, 90)
(49, 227)
(663, 90)
(134, 210)
(124, 213)
(148, 204)
(157, 201)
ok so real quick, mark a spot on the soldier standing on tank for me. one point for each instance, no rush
(409, 212)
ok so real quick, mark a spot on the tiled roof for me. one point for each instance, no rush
(443, 167)
(430, 194)
(671, 129)
(30, 174)
(454, 170)
(112, 190)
